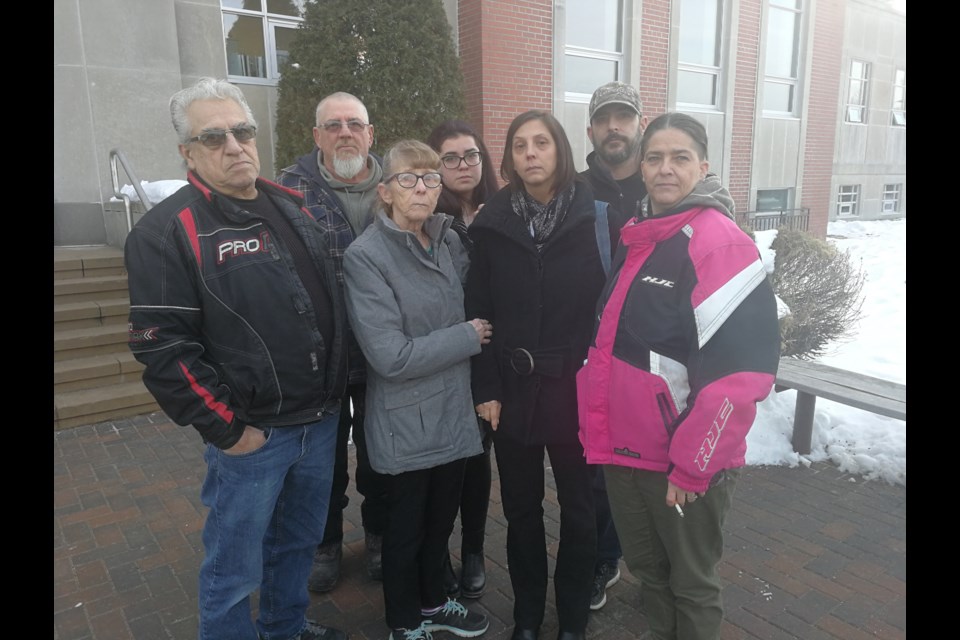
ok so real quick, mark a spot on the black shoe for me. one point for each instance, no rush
(451, 586)
(571, 635)
(316, 631)
(374, 556)
(523, 634)
(473, 575)
(326, 568)
(605, 577)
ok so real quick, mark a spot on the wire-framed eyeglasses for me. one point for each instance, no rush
(216, 138)
(407, 180)
(471, 158)
(355, 125)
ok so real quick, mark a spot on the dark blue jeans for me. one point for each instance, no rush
(267, 511)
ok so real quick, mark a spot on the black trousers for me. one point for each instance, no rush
(608, 544)
(522, 491)
(371, 485)
(475, 498)
(422, 508)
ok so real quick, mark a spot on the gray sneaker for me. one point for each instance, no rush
(458, 620)
(420, 633)
(605, 577)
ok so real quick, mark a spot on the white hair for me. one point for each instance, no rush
(204, 89)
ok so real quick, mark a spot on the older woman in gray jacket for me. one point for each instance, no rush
(405, 301)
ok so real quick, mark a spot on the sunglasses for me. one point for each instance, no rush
(216, 138)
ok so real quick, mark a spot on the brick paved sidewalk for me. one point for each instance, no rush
(811, 553)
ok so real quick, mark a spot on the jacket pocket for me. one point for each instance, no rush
(416, 411)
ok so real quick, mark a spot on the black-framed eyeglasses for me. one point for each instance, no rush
(354, 124)
(216, 138)
(406, 180)
(471, 158)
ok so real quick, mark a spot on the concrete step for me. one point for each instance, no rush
(89, 289)
(76, 262)
(82, 315)
(95, 371)
(89, 406)
(90, 341)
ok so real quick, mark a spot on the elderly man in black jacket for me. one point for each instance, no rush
(236, 312)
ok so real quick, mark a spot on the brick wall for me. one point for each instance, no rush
(824, 88)
(745, 107)
(654, 55)
(506, 51)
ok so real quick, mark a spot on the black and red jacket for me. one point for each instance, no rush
(221, 319)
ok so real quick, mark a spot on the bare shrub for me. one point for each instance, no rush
(823, 288)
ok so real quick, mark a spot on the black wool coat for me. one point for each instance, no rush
(543, 302)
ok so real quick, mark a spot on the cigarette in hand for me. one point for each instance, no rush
(679, 510)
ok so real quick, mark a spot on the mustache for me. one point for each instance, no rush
(616, 136)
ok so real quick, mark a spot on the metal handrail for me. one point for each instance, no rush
(117, 157)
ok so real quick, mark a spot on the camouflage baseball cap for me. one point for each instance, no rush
(616, 93)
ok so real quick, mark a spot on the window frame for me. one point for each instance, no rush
(898, 109)
(793, 81)
(269, 22)
(788, 200)
(848, 197)
(892, 195)
(857, 112)
(589, 53)
(716, 71)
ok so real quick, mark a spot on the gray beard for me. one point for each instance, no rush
(349, 167)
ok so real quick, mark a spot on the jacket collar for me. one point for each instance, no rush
(498, 215)
(226, 204)
(436, 226)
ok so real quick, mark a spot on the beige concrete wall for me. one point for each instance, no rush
(874, 153)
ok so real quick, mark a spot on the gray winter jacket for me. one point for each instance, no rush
(406, 309)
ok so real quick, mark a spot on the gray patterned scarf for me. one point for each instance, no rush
(541, 219)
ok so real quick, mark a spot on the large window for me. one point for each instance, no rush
(857, 90)
(899, 112)
(698, 74)
(782, 67)
(848, 200)
(593, 54)
(891, 198)
(258, 35)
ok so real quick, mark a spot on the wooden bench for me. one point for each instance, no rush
(812, 379)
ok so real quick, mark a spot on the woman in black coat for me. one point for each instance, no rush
(536, 274)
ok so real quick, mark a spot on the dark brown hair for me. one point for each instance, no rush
(449, 202)
(682, 122)
(565, 173)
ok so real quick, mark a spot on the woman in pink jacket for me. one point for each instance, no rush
(686, 345)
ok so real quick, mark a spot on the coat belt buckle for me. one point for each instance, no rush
(520, 357)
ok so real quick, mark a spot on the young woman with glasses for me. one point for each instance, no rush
(404, 293)
(469, 180)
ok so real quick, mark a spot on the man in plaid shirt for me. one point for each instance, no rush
(338, 179)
